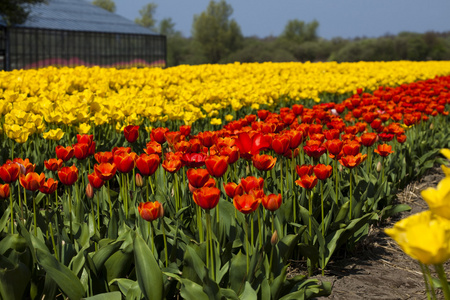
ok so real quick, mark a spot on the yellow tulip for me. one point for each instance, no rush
(424, 237)
(83, 128)
(54, 134)
(216, 121)
(229, 118)
(438, 199)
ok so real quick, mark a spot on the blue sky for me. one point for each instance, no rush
(337, 18)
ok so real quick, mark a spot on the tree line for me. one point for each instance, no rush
(217, 38)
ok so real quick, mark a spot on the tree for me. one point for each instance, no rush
(108, 5)
(299, 32)
(147, 20)
(215, 33)
(16, 11)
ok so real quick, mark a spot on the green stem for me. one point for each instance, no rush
(351, 195)
(53, 241)
(261, 230)
(12, 212)
(336, 174)
(151, 229)
(165, 242)
(70, 213)
(247, 244)
(281, 177)
(109, 202)
(199, 223)
(310, 213)
(34, 215)
(209, 243)
(98, 212)
(443, 278)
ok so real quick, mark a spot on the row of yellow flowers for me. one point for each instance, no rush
(30, 100)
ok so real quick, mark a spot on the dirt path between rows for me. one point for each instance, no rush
(379, 269)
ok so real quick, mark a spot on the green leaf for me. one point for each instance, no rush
(106, 296)
(69, 284)
(249, 293)
(392, 210)
(238, 272)
(104, 253)
(287, 245)
(148, 273)
(14, 279)
(192, 291)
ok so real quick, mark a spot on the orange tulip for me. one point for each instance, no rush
(281, 143)
(49, 187)
(383, 150)
(264, 162)
(245, 203)
(232, 189)
(206, 197)
(105, 171)
(369, 138)
(80, 151)
(304, 170)
(307, 181)
(29, 167)
(351, 161)
(272, 202)
(351, 148)
(32, 181)
(158, 135)
(150, 211)
(172, 166)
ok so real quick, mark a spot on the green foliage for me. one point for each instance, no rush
(147, 19)
(17, 11)
(298, 32)
(214, 33)
(108, 5)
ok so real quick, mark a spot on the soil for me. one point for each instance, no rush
(379, 269)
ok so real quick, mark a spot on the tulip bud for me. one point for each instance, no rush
(274, 238)
(139, 180)
(379, 166)
(161, 212)
(341, 168)
(431, 126)
(89, 191)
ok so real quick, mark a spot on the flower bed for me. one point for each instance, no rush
(210, 214)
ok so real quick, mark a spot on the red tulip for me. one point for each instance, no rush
(272, 202)
(85, 138)
(9, 172)
(124, 161)
(150, 211)
(32, 181)
(314, 151)
(207, 138)
(158, 135)
(249, 183)
(131, 133)
(104, 157)
(4, 191)
(216, 165)
(245, 203)
(207, 197)
(173, 137)
(232, 189)
(401, 138)
(249, 146)
(80, 151)
(351, 148)
(185, 130)
(369, 138)
(148, 164)
(280, 144)
(53, 164)
(231, 152)
(64, 153)
(334, 147)
(323, 171)
(197, 177)
(68, 175)
(95, 180)
(304, 170)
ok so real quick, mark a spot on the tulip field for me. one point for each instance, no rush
(205, 182)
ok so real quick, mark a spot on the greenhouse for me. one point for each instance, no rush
(75, 32)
